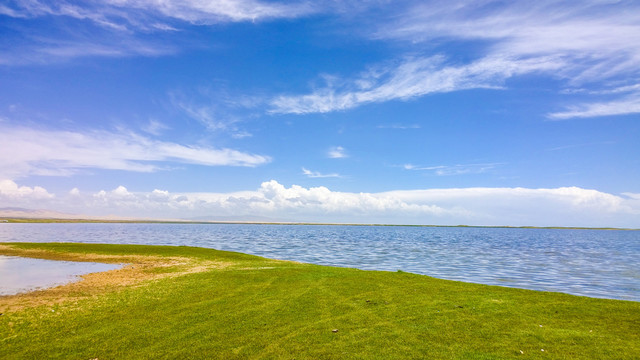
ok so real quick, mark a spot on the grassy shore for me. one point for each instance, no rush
(185, 302)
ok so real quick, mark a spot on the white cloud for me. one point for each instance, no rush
(10, 191)
(632, 196)
(44, 152)
(43, 50)
(121, 14)
(119, 28)
(214, 11)
(564, 206)
(626, 105)
(315, 174)
(337, 152)
(13, 195)
(271, 200)
(241, 134)
(596, 40)
(600, 37)
(446, 170)
(411, 78)
(573, 146)
(208, 115)
(36, 8)
(216, 108)
(154, 127)
(579, 43)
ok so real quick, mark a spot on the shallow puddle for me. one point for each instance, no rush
(19, 274)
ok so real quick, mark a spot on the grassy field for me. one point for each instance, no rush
(185, 302)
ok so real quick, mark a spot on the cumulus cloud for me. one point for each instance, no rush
(564, 206)
(53, 152)
(10, 191)
(13, 195)
(271, 200)
(337, 152)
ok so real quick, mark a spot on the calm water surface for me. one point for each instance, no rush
(18, 274)
(595, 263)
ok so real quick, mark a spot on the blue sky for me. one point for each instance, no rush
(416, 112)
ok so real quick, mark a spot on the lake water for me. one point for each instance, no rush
(18, 274)
(597, 263)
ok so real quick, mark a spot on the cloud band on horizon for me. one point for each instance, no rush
(565, 206)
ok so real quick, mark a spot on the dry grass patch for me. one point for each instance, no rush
(136, 270)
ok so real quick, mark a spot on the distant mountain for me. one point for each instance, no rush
(22, 213)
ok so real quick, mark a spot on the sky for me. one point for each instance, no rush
(397, 112)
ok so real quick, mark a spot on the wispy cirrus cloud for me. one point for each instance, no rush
(596, 40)
(145, 14)
(154, 127)
(121, 28)
(410, 78)
(599, 38)
(44, 50)
(559, 40)
(626, 105)
(210, 116)
(207, 12)
(574, 146)
(315, 174)
(448, 170)
(54, 152)
(216, 110)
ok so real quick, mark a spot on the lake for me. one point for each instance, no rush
(596, 263)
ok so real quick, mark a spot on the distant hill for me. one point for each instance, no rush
(22, 213)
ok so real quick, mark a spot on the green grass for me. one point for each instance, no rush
(263, 309)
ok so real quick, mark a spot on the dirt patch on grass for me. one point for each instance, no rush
(136, 270)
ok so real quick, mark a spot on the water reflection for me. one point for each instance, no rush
(18, 274)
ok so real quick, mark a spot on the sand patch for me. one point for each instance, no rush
(137, 270)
